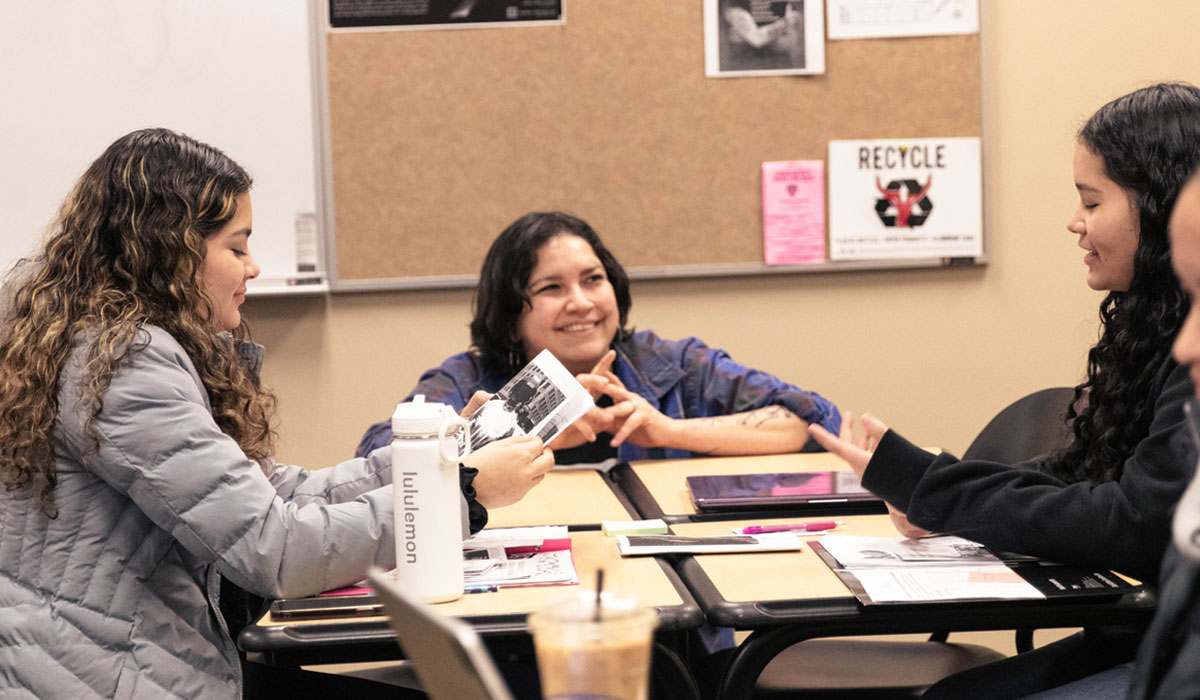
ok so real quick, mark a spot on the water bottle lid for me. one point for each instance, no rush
(417, 417)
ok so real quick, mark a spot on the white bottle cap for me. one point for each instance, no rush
(416, 417)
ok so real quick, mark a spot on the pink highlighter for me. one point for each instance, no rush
(814, 526)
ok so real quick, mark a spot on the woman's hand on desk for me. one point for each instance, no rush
(855, 449)
(508, 468)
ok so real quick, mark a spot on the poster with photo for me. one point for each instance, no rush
(763, 37)
(441, 14)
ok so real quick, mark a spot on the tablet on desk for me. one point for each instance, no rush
(759, 491)
(326, 606)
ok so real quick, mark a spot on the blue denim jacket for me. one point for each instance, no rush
(683, 378)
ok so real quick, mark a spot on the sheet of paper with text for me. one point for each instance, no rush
(905, 198)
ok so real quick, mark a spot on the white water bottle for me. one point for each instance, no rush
(425, 456)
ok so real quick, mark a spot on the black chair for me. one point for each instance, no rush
(882, 669)
(1031, 426)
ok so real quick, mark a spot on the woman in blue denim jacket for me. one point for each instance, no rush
(548, 282)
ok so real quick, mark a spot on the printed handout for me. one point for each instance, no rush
(543, 399)
(854, 552)
(869, 19)
(536, 569)
(884, 570)
(633, 545)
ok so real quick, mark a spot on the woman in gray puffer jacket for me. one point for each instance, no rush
(136, 444)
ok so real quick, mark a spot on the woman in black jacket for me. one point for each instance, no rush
(1106, 499)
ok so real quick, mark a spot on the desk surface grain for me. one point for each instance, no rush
(763, 576)
(580, 497)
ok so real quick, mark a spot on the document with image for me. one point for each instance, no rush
(854, 552)
(887, 570)
(634, 545)
(543, 399)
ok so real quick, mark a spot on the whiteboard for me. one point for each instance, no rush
(77, 74)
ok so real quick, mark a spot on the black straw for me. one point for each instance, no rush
(599, 589)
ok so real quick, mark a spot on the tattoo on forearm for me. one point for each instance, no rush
(757, 418)
(760, 417)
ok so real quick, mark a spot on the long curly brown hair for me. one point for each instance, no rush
(125, 251)
(1149, 140)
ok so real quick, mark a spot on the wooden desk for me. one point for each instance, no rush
(657, 489)
(787, 597)
(771, 576)
(335, 640)
(580, 498)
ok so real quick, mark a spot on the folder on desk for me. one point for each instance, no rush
(888, 571)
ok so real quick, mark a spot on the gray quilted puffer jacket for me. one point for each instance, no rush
(116, 597)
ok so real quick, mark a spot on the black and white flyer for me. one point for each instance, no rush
(543, 399)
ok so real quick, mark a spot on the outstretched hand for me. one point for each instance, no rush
(855, 449)
(508, 468)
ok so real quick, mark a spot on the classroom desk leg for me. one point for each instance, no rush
(670, 678)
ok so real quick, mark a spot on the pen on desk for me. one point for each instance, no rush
(815, 526)
(481, 589)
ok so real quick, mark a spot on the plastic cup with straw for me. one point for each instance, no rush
(593, 643)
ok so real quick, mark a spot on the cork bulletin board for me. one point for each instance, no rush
(438, 139)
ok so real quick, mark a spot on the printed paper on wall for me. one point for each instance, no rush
(905, 198)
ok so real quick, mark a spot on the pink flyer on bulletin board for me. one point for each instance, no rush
(793, 211)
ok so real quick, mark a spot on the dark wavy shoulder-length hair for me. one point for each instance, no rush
(500, 297)
(125, 251)
(1149, 141)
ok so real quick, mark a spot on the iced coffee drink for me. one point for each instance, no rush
(580, 657)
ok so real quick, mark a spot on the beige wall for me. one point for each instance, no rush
(935, 353)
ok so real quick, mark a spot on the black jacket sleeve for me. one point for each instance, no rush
(1122, 525)
(477, 515)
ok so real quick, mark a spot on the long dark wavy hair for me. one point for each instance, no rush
(125, 251)
(1149, 141)
(500, 297)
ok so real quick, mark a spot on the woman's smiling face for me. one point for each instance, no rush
(572, 309)
(1106, 223)
(228, 265)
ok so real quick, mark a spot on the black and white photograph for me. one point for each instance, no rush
(946, 550)
(763, 37)
(542, 399)
(441, 14)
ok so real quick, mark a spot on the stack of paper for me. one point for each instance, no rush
(518, 556)
(897, 570)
